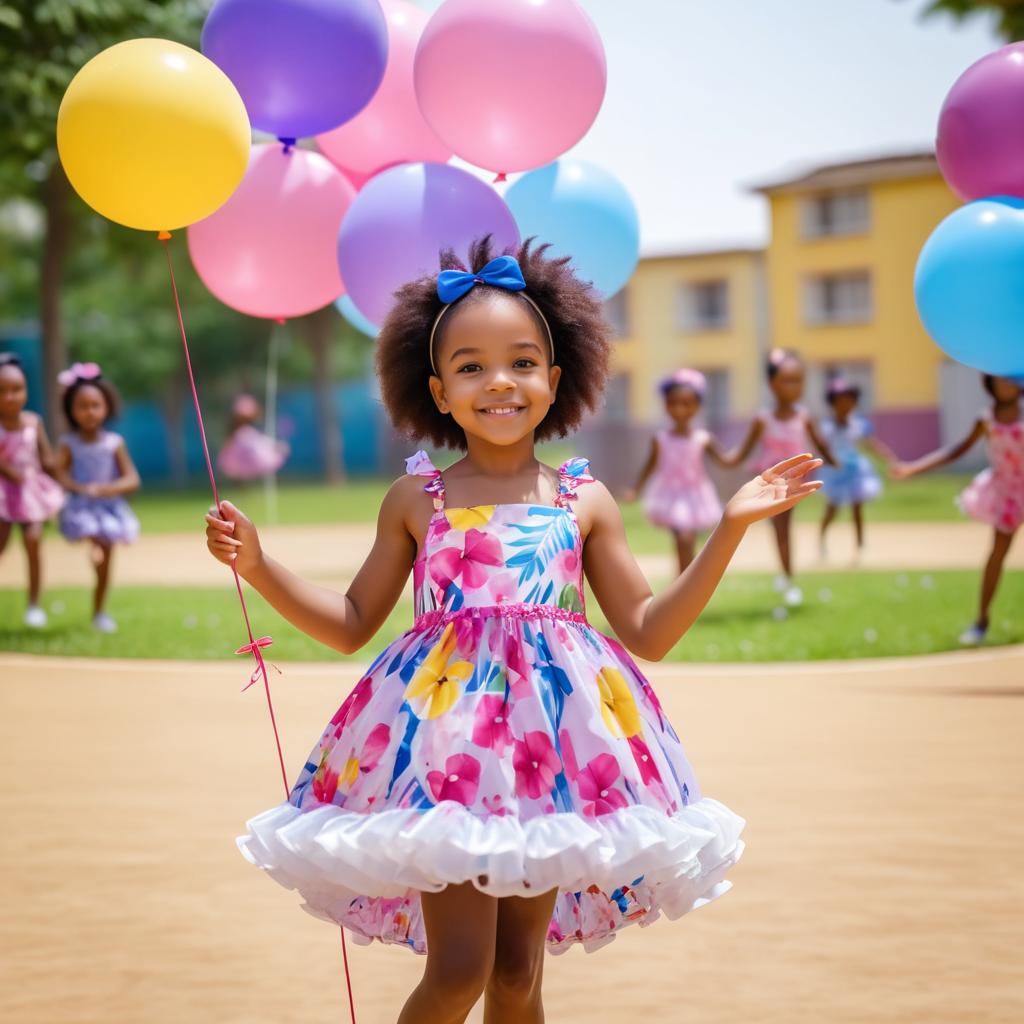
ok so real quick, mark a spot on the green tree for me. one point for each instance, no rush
(1009, 13)
(100, 291)
(44, 43)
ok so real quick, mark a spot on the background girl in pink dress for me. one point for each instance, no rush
(678, 494)
(783, 431)
(996, 495)
(248, 453)
(29, 496)
(503, 778)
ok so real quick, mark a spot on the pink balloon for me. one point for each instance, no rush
(980, 144)
(270, 250)
(511, 85)
(390, 130)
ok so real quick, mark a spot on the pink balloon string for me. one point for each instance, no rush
(255, 646)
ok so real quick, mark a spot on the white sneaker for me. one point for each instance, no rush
(103, 623)
(793, 596)
(973, 636)
(780, 583)
(35, 617)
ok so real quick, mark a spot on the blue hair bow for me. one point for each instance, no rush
(501, 272)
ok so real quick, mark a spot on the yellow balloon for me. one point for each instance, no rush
(153, 135)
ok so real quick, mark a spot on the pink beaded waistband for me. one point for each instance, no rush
(522, 610)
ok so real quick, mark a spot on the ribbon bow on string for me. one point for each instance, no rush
(254, 649)
(501, 272)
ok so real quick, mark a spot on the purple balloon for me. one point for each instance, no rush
(980, 144)
(302, 66)
(403, 218)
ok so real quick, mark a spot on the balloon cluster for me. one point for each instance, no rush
(157, 136)
(969, 283)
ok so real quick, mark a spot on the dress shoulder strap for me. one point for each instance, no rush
(420, 465)
(571, 474)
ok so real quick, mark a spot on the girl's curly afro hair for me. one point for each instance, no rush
(573, 310)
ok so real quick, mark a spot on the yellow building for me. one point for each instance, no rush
(704, 310)
(840, 270)
(835, 283)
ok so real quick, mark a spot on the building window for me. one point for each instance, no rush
(842, 298)
(704, 306)
(716, 398)
(616, 399)
(836, 213)
(616, 311)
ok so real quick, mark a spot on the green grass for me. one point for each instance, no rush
(924, 499)
(846, 615)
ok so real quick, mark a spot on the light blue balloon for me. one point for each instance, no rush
(585, 213)
(969, 285)
(348, 309)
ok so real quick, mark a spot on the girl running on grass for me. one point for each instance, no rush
(680, 495)
(996, 495)
(854, 481)
(503, 778)
(781, 432)
(29, 496)
(95, 467)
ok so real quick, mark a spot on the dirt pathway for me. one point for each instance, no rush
(332, 554)
(881, 883)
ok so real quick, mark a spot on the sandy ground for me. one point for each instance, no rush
(332, 554)
(881, 883)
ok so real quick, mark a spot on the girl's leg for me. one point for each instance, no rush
(993, 571)
(102, 553)
(780, 524)
(514, 988)
(826, 522)
(461, 924)
(31, 535)
(5, 534)
(686, 546)
(858, 524)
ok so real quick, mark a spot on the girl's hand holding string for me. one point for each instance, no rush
(232, 538)
(773, 491)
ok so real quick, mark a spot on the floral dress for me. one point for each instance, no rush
(781, 439)
(854, 481)
(996, 495)
(502, 741)
(680, 494)
(38, 497)
(110, 520)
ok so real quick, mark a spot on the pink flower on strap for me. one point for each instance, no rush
(596, 782)
(467, 563)
(459, 780)
(536, 764)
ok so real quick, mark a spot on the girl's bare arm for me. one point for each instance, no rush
(650, 626)
(819, 442)
(128, 482)
(342, 621)
(941, 456)
(46, 458)
(62, 471)
(717, 453)
(746, 446)
(645, 473)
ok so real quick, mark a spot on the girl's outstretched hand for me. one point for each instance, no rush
(232, 538)
(773, 491)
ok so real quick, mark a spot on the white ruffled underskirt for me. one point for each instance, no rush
(366, 871)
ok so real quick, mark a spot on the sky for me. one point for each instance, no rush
(706, 97)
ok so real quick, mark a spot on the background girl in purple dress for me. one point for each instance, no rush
(29, 496)
(94, 466)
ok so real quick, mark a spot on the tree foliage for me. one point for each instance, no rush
(1009, 14)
